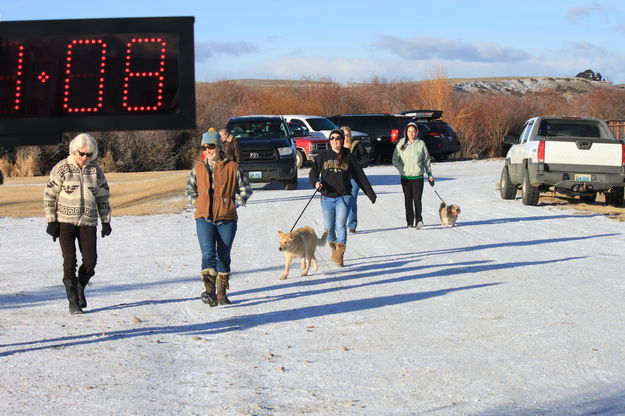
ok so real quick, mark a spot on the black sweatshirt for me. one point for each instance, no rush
(335, 178)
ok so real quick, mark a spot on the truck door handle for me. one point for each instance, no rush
(583, 145)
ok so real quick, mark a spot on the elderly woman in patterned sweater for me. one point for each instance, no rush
(76, 195)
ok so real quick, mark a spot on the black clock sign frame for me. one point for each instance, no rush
(90, 75)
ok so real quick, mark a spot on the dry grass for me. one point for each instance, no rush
(582, 208)
(139, 193)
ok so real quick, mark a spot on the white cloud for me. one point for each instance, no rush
(423, 47)
(207, 49)
(574, 13)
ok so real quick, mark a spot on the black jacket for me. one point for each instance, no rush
(335, 178)
(358, 151)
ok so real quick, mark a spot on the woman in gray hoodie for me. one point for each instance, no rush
(412, 160)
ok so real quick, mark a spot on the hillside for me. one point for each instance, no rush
(524, 85)
(508, 85)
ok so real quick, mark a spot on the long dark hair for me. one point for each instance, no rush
(405, 143)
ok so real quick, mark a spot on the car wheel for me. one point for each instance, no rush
(507, 189)
(615, 198)
(530, 194)
(290, 185)
(300, 157)
(588, 198)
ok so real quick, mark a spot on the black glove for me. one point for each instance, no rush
(106, 229)
(53, 229)
(431, 181)
(373, 199)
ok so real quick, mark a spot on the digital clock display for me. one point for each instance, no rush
(96, 75)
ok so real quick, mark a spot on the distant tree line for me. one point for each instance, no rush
(481, 119)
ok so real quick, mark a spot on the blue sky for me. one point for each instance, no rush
(353, 41)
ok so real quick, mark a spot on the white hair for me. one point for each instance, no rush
(84, 140)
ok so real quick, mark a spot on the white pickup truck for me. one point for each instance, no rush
(569, 155)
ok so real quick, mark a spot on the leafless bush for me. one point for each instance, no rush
(481, 120)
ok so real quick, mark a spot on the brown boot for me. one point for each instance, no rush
(340, 252)
(222, 285)
(332, 245)
(209, 276)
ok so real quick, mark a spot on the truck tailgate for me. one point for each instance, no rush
(584, 152)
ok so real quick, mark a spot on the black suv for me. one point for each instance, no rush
(267, 149)
(386, 129)
(440, 139)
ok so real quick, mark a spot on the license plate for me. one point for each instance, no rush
(256, 175)
(582, 178)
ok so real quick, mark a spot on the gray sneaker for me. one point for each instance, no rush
(419, 225)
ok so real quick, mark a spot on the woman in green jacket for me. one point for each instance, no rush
(412, 160)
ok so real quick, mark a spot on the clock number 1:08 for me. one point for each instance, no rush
(70, 75)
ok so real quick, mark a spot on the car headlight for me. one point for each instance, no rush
(285, 151)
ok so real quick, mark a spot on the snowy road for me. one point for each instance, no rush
(518, 310)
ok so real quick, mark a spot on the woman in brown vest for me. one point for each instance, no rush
(217, 188)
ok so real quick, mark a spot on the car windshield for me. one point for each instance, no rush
(259, 129)
(318, 124)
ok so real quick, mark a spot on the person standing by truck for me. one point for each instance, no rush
(230, 146)
(412, 160)
(76, 195)
(330, 174)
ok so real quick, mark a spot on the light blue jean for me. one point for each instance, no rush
(352, 216)
(335, 217)
(216, 240)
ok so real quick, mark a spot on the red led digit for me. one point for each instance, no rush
(13, 53)
(143, 83)
(79, 85)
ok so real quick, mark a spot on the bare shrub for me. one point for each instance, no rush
(27, 161)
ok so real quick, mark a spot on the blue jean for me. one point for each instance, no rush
(335, 217)
(216, 240)
(352, 217)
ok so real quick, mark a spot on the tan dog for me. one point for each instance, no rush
(449, 214)
(300, 243)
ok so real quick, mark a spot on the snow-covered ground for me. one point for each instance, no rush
(516, 311)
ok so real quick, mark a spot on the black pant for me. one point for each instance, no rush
(86, 236)
(413, 189)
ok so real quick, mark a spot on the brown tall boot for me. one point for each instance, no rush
(340, 252)
(332, 245)
(223, 283)
(209, 276)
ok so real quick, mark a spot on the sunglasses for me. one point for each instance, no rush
(208, 146)
(85, 154)
(336, 138)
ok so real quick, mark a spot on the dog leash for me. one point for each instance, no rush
(300, 215)
(439, 197)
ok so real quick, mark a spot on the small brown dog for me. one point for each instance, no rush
(449, 214)
(300, 243)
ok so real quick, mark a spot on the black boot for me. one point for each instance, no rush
(71, 289)
(83, 279)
